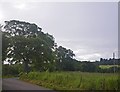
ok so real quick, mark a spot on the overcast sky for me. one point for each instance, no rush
(90, 29)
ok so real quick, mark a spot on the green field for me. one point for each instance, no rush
(108, 66)
(73, 80)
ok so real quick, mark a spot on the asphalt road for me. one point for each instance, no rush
(15, 84)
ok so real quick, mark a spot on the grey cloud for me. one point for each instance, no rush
(89, 26)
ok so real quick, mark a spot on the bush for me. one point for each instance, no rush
(11, 69)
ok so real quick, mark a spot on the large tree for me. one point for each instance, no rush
(25, 42)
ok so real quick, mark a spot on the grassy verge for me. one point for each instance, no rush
(73, 80)
(9, 76)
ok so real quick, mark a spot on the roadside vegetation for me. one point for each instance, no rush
(73, 80)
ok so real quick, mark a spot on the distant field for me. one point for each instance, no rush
(107, 66)
(73, 80)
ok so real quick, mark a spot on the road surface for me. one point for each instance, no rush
(15, 84)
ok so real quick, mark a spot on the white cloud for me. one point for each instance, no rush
(82, 51)
(1, 16)
(20, 6)
(91, 57)
(64, 0)
(2, 11)
(84, 54)
(88, 52)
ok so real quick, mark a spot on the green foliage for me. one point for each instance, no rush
(65, 59)
(88, 67)
(109, 68)
(73, 80)
(11, 70)
(25, 42)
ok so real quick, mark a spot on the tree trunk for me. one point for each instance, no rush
(26, 67)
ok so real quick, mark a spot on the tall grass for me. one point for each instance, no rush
(73, 80)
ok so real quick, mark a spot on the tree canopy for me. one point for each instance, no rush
(26, 43)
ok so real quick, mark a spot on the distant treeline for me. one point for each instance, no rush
(73, 65)
(87, 66)
(109, 61)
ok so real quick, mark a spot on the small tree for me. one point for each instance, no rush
(65, 59)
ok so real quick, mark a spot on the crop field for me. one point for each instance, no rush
(108, 66)
(73, 80)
